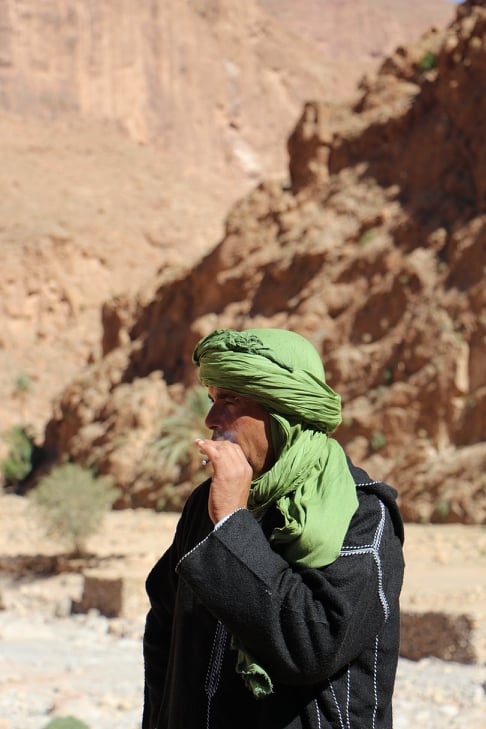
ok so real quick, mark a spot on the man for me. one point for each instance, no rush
(277, 603)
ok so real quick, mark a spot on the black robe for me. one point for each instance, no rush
(328, 638)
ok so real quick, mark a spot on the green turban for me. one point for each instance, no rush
(310, 483)
(279, 369)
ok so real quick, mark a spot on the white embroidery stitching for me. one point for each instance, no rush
(199, 544)
(213, 674)
(374, 550)
(367, 483)
(220, 523)
(375, 684)
(192, 550)
(348, 695)
(336, 703)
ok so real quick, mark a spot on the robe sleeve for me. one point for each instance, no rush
(301, 625)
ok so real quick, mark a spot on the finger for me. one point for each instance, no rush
(200, 442)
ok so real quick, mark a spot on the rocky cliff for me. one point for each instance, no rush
(127, 130)
(375, 250)
(217, 82)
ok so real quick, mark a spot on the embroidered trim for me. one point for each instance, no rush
(220, 523)
(213, 674)
(374, 550)
(375, 683)
(217, 526)
(192, 550)
(347, 724)
(336, 703)
(348, 695)
(318, 714)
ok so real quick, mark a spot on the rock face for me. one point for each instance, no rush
(376, 251)
(126, 132)
(161, 68)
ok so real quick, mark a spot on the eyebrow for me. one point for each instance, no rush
(223, 394)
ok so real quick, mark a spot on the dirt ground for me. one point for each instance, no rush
(445, 563)
(54, 663)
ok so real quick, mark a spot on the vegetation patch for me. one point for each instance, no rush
(69, 504)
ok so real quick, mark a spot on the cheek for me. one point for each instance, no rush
(237, 430)
(251, 429)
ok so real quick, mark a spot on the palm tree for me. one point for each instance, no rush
(179, 430)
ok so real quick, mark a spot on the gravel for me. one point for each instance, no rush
(90, 667)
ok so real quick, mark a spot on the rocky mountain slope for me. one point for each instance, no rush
(215, 80)
(375, 249)
(128, 130)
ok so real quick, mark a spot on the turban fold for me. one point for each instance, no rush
(279, 369)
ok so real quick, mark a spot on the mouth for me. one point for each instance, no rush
(224, 435)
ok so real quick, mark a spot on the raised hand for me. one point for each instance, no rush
(232, 475)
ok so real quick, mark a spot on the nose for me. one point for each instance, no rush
(211, 419)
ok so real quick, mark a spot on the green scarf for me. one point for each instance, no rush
(309, 483)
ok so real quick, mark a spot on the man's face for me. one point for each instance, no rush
(242, 421)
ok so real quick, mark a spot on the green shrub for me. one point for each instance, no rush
(443, 508)
(18, 464)
(428, 61)
(66, 722)
(367, 236)
(70, 502)
(378, 440)
(388, 376)
(23, 384)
